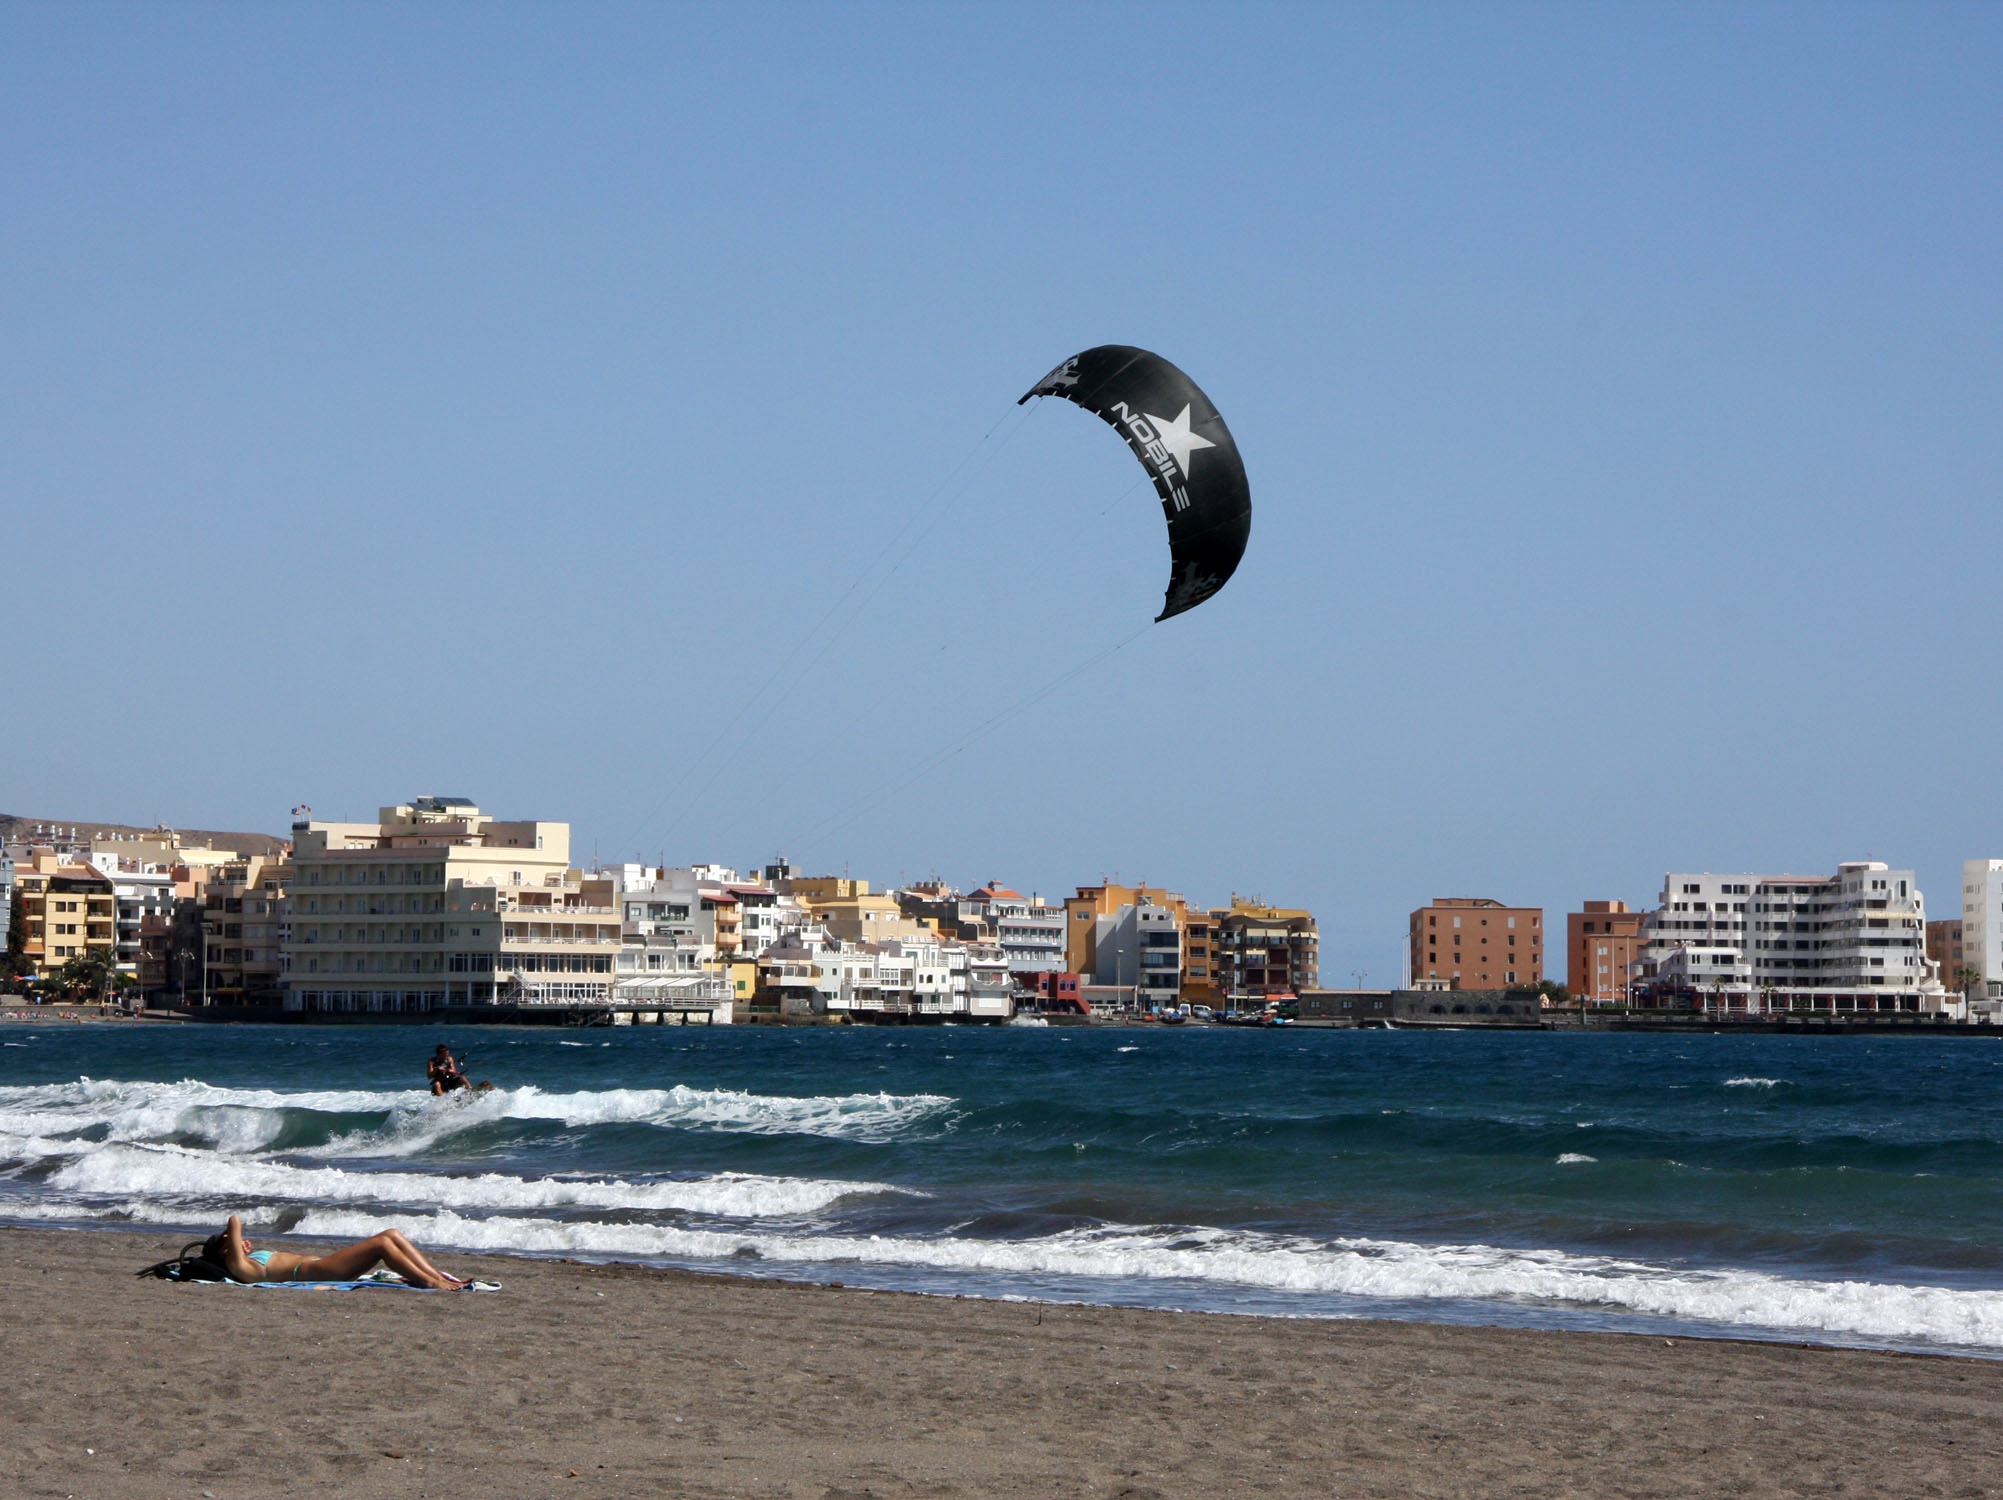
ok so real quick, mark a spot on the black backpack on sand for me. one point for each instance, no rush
(199, 1260)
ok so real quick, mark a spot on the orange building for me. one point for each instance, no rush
(1602, 943)
(1473, 943)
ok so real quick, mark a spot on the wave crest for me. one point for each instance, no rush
(408, 1121)
(1352, 1267)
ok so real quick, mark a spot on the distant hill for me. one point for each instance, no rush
(18, 829)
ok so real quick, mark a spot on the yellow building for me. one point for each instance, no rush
(805, 888)
(437, 904)
(848, 911)
(66, 911)
(742, 974)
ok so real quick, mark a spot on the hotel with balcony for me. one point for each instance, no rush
(1849, 942)
(437, 904)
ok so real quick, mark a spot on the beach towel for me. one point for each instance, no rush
(387, 1282)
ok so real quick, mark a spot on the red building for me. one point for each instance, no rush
(1056, 991)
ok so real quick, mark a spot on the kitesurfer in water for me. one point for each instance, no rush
(444, 1071)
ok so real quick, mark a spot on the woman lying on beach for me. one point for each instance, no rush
(232, 1251)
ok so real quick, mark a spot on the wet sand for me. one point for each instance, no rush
(621, 1381)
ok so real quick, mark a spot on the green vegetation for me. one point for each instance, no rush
(91, 975)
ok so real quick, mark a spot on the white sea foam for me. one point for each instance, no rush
(1349, 1267)
(856, 1117)
(151, 1173)
(1574, 1156)
(239, 1121)
(1753, 1083)
(230, 1119)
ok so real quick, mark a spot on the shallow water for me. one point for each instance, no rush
(1843, 1189)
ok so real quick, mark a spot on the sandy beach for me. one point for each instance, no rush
(620, 1380)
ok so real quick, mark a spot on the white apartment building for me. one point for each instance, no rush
(437, 904)
(143, 894)
(1982, 925)
(695, 914)
(664, 925)
(1031, 933)
(809, 972)
(667, 948)
(990, 992)
(1139, 947)
(1852, 941)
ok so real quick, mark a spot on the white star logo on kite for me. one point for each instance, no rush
(1177, 438)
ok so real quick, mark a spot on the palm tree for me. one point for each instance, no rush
(1966, 978)
(92, 973)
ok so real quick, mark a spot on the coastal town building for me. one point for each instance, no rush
(1202, 979)
(1055, 992)
(709, 910)
(143, 903)
(1259, 951)
(435, 904)
(1082, 912)
(1029, 930)
(1851, 941)
(934, 904)
(849, 911)
(1138, 948)
(1602, 946)
(244, 932)
(68, 910)
(1982, 924)
(156, 879)
(667, 942)
(1476, 943)
(1945, 947)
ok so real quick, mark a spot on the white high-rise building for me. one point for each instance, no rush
(1852, 941)
(1982, 923)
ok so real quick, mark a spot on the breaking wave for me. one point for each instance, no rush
(1365, 1268)
(151, 1173)
(408, 1121)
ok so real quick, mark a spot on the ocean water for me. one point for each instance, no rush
(1834, 1189)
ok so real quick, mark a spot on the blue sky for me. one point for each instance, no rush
(530, 403)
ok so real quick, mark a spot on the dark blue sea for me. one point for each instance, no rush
(1837, 1189)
